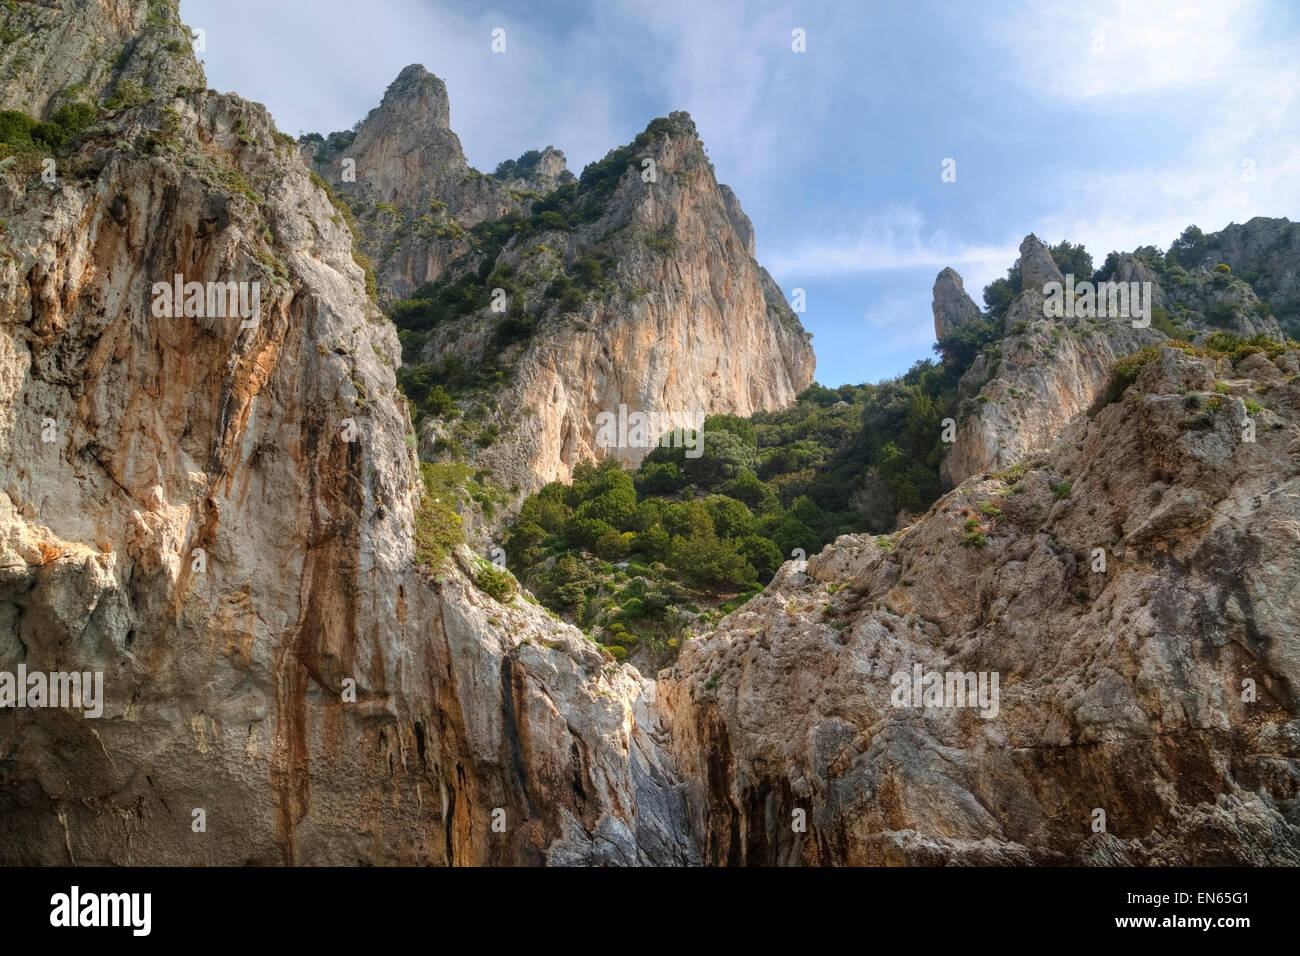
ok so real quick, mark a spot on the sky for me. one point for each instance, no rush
(1108, 123)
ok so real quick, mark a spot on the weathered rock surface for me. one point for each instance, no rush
(687, 322)
(1120, 691)
(413, 191)
(110, 47)
(684, 320)
(1266, 253)
(226, 683)
(325, 700)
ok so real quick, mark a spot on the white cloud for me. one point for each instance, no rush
(1109, 48)
(889, 239)
(900, 321)
(1222, 61)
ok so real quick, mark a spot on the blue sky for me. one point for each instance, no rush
(1114, 124)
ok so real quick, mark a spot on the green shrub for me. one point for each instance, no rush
(497, 583)
(438, 529)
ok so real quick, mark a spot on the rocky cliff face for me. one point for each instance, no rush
(219, 515)
(683, 321)
(1049, 370)
(1160, 691)
(666, 310)
(953, 308)
(110, 49)
(1266, 253)
(181, 510)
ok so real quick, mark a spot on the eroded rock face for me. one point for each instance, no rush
(1266, 252)
(1120, 690)
(405, 175)
(688, 324)
(90, 50)
(1049, 370)
(228, 670)
(685, 320)
(181, 510)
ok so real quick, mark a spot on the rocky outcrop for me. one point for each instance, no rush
(219, 519)
(219, 514)
(681, 320)
(635, 286)
(1266, 253)
(1037, 268)
(1047, 370)
(952, 307)
(1160, 691)
(1045, 373)
(536, 171)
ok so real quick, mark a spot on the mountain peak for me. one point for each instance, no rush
(417, 97)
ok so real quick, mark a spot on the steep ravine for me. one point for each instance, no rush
(323, 700)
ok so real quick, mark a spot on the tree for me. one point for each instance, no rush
(762, 554)
(792, 533)
(1189, 248)
(731, 518)
(568, 583)
(742, 428)
(612, 499)
(960, 347)
(819, 394)
(585, 532)
(724, 455)
(999, 293)
(1072, 260)
(708, 561)
(658, 478)
(750, 489)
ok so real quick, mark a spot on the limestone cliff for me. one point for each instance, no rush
(110, 50)
(220, 514)
(1264, 252)
(404, 174)
(634, 285)
(181, 509)
(680, 320)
